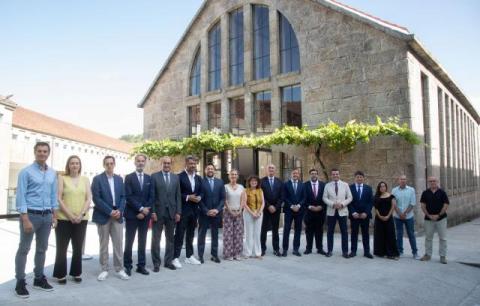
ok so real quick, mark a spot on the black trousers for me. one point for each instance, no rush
(131, 228)
(185, 229)
(270, 222)
(157, 228)
(384, 241)
(65, 232)
(205, 223)
(355, 224)
(298, 220)
(314, 229)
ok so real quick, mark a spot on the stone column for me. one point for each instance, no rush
(247, 42)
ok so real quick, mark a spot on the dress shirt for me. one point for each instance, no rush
(111, 183)
(404, 197)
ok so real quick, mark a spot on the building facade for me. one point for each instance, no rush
(250, 67)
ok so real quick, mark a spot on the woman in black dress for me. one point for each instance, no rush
(384, 242)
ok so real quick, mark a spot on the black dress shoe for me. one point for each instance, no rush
(368, 255)
(352, 255)
(263, 253)
(156, 269)
(322, 252)
(329, 254)
(296, 253)
(345, 255)
(284, 253)
(307, 252)
(128, 271)
(62, 281)
(277, 253)
(201, 260)
(142, 270)
(77, 279)
(170, 266)
(215, 259)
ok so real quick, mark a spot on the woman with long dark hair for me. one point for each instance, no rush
(252, 216)
(384, 242)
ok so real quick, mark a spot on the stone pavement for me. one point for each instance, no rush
(308, 280)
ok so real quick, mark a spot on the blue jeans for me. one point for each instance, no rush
(410, 226)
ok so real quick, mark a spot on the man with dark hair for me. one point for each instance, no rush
(360, 213)
(272, 188)
(294, 196)
(36, 202)
(315, 213)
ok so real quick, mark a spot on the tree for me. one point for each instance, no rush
(132, 138)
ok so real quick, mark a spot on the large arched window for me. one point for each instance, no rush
(289, 52)
(261, 42)
(214, 58)
(236, 47)
(195, 75)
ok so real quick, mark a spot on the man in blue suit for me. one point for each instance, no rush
(137, 214)
(360, 212)
(108, 195)
(315, 213)
(294, 201)
(211, 207)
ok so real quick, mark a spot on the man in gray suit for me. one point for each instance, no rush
(166, 212)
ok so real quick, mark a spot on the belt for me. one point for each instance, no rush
(39, 212)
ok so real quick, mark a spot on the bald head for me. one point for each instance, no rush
(432, 182)
(402, 180)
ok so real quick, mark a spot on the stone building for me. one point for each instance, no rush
(251, 66)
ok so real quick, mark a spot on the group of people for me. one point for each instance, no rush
(176, 203)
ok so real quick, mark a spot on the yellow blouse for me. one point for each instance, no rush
(74, 196)
(254, 198)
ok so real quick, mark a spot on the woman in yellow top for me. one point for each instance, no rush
(252, 216)
(74, 197)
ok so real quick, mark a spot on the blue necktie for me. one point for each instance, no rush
(211, 184)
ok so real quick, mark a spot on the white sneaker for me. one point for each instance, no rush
(122, 275)
(192, 261)
(416, 257)
(102, 276)
(176, 263)
(87, 257)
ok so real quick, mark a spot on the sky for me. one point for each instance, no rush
(91, 62)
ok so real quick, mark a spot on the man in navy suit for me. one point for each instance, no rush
(192, 194)
(211, 207)
(137, 214)
(108, 195)
(294, 201)
(315, 213)
(360, 212)
(272, 188)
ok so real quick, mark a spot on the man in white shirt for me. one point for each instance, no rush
(337, 196)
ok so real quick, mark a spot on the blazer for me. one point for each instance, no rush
(136, 196)
(212, 199)
(167, 201)
(102, 198)
(189, 207)
(292, 198)
(344, 197)
(310, 198)
(272, 196)
(363, 204)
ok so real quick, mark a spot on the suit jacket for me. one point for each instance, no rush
(272, 196)
(137, 197)
(292, 198)
(311, 199)
(361, 204)
(212, 199)
(189, 207)
(167, 200)
(102, 198)
(344, 197)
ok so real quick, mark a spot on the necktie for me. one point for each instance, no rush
(336, 188)
(211, 184)
(315, 189)
(359, 191)
(140, 180)
(295, 186)
(167, 179)
(271, 183)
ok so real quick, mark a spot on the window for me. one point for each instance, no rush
(261, 42)
(214, 116)
(195, 75)
(214, 58)
(292, 106)
(290, 162)
(14, 136)
(289, 52)
(237, 116)
(194, 120)
(236, 47)
(263, 112)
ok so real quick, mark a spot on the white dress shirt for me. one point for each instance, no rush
(111, 183)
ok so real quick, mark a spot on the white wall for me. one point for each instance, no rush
(5, 139)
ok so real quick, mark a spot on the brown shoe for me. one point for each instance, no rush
(443, 260)
(425, 258)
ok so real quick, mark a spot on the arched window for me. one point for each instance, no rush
(214, 58)
(195, 75)
(236, 47)
(289, 52)
(261, 42)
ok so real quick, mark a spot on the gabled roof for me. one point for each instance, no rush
(33, 121)
(378, 23)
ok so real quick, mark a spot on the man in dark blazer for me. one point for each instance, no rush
(192, 194)
(315, 212)
(211, 207)
(166, 212)
(137, 214)
(360, 213)
(272, 188)
(294, 201)
(108, 195)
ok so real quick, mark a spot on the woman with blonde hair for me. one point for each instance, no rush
(232, 218)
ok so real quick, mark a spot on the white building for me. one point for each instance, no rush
(7, 108)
